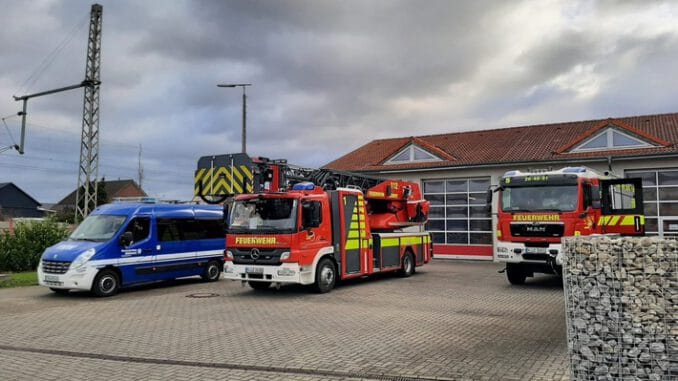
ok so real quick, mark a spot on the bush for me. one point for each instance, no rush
(22, 250)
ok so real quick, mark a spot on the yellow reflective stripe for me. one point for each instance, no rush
(411, 241)
(375, 194)
(362, 225)
(353, 234)
(354, 226)
(631, 220)
(352, 244)
(365, 243)
(230, 180)
(390, 242)
(246, 171)
(614, 221)
(603, 220)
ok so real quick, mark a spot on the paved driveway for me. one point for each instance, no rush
(451, 320)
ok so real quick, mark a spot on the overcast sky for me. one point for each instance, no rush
(328, 76)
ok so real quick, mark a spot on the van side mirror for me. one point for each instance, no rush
(126, 239)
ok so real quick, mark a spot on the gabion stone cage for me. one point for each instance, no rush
(621, 297)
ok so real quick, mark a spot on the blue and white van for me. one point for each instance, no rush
(122, 244)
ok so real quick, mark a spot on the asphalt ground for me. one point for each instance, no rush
(451, 320)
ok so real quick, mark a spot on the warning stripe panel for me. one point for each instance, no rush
(223, 180)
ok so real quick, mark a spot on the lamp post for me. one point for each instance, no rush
(244, 110)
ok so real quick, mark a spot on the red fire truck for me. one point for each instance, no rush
(291, 225)
(536, 209)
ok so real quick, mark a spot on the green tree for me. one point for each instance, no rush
(22, 250)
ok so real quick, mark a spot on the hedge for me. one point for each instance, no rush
(21, 251)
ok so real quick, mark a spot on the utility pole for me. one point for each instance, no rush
(141, 170)
(86, 193)
(244, 111)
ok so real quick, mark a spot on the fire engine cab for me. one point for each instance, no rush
(536, 209)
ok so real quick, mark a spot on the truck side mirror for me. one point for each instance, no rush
(126, 239)
(310, 216)
(595, 196)
(225, 217)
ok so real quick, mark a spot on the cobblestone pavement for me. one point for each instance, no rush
(451, 320)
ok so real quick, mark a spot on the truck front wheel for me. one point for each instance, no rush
(516, 274)
(325, 276)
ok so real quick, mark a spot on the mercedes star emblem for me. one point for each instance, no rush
(254, 253)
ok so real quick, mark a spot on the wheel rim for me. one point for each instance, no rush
(213, 272)
(107, 284)
(408, 264)
(326, 275)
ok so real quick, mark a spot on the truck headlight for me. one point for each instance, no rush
(285, 255)
(229, 254)
(83, 258)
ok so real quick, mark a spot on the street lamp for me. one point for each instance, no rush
(244, 109)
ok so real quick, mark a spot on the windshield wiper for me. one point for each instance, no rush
(86, 239)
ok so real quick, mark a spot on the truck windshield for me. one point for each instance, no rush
(560, 198)
(272, 215)
(100, 227)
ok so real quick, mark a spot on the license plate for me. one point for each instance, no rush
(535, 250)
(51, 278)
(254, 270)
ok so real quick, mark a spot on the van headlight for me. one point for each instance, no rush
(83, 258)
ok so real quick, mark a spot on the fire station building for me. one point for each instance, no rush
(456, 169)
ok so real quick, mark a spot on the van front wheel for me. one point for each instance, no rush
(212, 272)
(106, 283)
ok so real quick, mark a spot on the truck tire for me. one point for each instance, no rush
(325, 276)
(407, 265)
(106, 283)
(259, 285)
(212, 272)
(516, 274)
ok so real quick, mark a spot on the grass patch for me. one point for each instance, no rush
(29, 278)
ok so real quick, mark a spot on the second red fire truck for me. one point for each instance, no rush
(314, 227)
(537, 209)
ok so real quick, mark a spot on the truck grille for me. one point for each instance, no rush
(537, 230)
(244, 256)
(55, 267)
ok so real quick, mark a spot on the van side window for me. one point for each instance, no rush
(201, 229)
(188, 229)
(168, 230)
(140, 228)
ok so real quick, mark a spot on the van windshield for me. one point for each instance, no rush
(100, 227)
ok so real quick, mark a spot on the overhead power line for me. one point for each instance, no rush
(49, 59)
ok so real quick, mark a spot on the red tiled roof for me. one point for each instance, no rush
(547, 142)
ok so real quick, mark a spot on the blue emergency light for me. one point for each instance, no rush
(306, 185)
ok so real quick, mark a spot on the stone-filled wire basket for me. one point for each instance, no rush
(621, 296)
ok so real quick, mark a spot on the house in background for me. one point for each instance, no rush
(111, 189)
(15, 203)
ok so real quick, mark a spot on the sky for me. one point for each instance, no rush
(327, 77)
